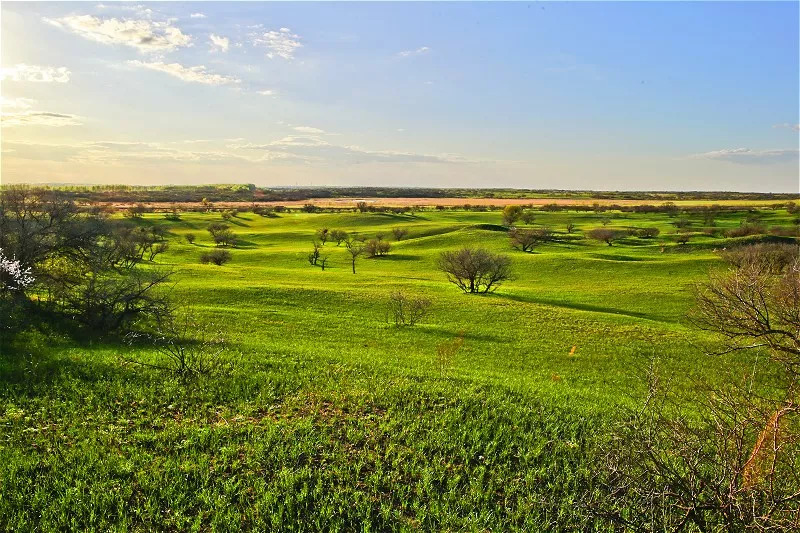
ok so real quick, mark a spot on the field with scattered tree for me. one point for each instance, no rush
(536, 369)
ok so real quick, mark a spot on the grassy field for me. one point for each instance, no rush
(482, 417)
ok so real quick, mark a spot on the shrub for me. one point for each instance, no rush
(773, 258)
(475, 270)
(399, 233)
(647, 233)
(217, 257)
(377, 247)
(605, 235)
(784, 231)
(190, 238)
(406, 310)
(746, 230)
(186, 347)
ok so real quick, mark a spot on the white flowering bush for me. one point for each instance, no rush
(12, 274)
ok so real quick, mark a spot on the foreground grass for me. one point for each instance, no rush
(333, 419)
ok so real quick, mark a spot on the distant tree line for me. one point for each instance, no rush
(249, 192)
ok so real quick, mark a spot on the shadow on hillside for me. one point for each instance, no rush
(31, 370)
(244, 244)
(399, 257)
(563, 304)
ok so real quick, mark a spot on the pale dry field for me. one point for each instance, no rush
(351, 203)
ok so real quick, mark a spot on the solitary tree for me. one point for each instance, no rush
(475, 270)
(527, 239)
(400, 233)
(605, 235)
(356, 249)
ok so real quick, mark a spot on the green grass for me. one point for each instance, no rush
(333, 419)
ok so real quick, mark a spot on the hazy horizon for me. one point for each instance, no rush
(570, 96)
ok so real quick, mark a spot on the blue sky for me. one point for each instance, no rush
(659, 96)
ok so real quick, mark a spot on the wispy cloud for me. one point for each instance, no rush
(198, 16)
(144, 35)
(419, 51)
(279, 43)
(314, 149)
(267, 92)
(746, 156)
(308, 129)
(35, 73)
(196, 74)
(788, 126)
(20, 112)
(219, 43)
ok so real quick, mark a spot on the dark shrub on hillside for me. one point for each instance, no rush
(475, 270)
(527, 239)
(770, 257)
(85, 267)
(216, 257)
(190, 238)
(647, 233)
(784, 231)
(746, 229)
(605, 235)
(399, 233)
(377, 247)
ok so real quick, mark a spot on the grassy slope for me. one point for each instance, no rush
(335, 418)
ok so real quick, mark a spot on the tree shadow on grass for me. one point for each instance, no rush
(237, 222)
(399, 257)
(580, 306)
(244, 244)
(30, 369)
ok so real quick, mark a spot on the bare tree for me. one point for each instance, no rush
(406, 310)
(356, 249)
(771, 257)
(322, 235)
(728, 459)
(527, 239)
(605, 235)
(475, 270)
(313, 256)
(188, 349)
(750, 306)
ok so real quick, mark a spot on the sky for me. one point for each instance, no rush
(596, 95)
